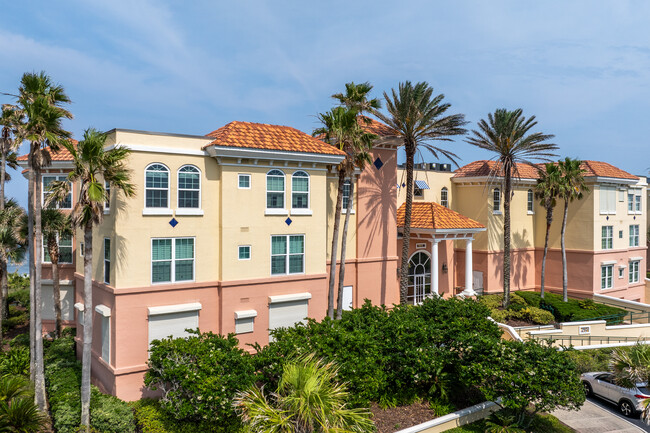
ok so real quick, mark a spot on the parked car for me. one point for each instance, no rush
(602, 384)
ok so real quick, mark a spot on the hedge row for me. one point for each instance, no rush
(518, 310)
(574, 309)
(151, 418)
(108, 414)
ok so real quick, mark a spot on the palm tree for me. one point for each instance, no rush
(55, 225)
(418, 118)
(12, 244)
(39, 103)
(92, 167)
(547, 191)
(308, 400)
(506, 133)
(357, 155)
(571, 188)
(18, 413)
(632, 366)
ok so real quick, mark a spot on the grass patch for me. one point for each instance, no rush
(542, 423)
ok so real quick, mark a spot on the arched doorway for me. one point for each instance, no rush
(419, 281)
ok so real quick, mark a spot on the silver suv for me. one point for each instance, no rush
(629, 400)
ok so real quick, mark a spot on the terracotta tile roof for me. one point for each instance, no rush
(62, 155)
(271, 137)
(376, 127)
(429, 215)
(592, 169)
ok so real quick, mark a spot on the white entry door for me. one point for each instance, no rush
(347, 298)
(477, 281)
(419, 288)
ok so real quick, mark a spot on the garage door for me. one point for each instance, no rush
(287, 310)
(163, 324)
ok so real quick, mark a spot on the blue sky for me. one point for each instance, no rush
(582, 67)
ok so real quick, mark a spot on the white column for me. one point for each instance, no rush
(434, 266)
(469, 275)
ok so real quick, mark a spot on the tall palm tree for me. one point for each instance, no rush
(12, 244)
(55, 225)
(357, 156)
(506, 133)
(92, 167)
(40, 103)
(419, 119)
(572, 188)
(308, 400)
(547, 191)
(341, 129)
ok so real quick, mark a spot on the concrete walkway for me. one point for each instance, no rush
(594, 419)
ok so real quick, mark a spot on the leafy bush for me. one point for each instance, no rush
(572, 310)
(16, 317)
(199, 376)
(17, 281)
(15, 362)
(535, 315)
(151, 418)
(108, 414)
(20, 340)
(19, 297)
(592, 359)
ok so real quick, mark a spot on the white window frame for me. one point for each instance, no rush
(157, 210)
(496, 200)
(107, 260)
(530, 202)
(188, 210)
(607, 238)
(307, 210)
(44, 193)
(240, 176)
(344, 209)
(633, 275)
(608, 277)
(630, 202)
(276, 210)
(173, 261)
(58, 243)
(634, 235)
(82, 249)
(250, 252)
(288, 255)
(444, 197)
(638, 208)
(107, 203)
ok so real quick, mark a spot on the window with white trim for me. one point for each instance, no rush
(608, 200)
(637, 203)
(172, 260)
(633, 274)
(634, 235)
(347, 188)
(107, 260)
(65, 250)
(529, 201)
(107, 203)
(66, 203)
(444, 196)
(156, 186)
(606, 276)
(275, 189)
(496, 200)
(244, 181)
(189, 187)
(287, 254)
(630, 202)
(300, 190)
(607, 242)
(244, 252)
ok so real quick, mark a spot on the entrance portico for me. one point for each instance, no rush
(434, 228)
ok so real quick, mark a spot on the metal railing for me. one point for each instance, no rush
(618, 319)
(586, 340)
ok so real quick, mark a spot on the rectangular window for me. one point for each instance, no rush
(107, 204)
(82, 249)
(608, 238)
(633, 276)
(107, 260)
(634, 235)
(244, 181)
(244, 252)
(106, 339)
(608, 200)
(417, 192)
(606, 276)
(65, 250)
(287, 254)
(172, 260)
(65, 203)
(637, 204)
(300, 190)
(630, 202)
(346, 194)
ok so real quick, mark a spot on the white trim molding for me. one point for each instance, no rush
(157, 211)
(79, 306)
(178, 308)
(608, 262)
(103, 310)
(189, 211)
(289, 298)
(245, 314)
(274, 155)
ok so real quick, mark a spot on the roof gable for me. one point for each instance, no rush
(430, 215)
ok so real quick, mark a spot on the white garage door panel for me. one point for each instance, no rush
(174, 324)
(285, 314)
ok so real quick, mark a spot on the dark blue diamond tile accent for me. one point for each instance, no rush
(607, 217)
(634, 217)
(288, 221)
(403, 185)
(378, 163)
(173, 222)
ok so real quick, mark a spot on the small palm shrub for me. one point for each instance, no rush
(15, 362)
(18, 413)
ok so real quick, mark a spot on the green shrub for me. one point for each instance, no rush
(199, 376)
(592, 359)
(20, 340)
(531, 298)
(15, 362)
(17, 281)
(441, 408)
(535, 315)
(492, 302)
(20, 297)
(574, 309)
(500, 316)
(151, 418)
(109, 414)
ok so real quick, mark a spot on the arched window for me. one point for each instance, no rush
(275, 190)
(529, 204)
(419, 277)
(496, 200)
(157, 186)
(189, 187)
(300, 190)
(444, 197)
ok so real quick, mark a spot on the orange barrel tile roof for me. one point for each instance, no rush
(61, 155)
(430, 215)
(592, 169)
(270, 137)
(376, 127)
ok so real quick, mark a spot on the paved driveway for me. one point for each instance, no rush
(594, 418)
